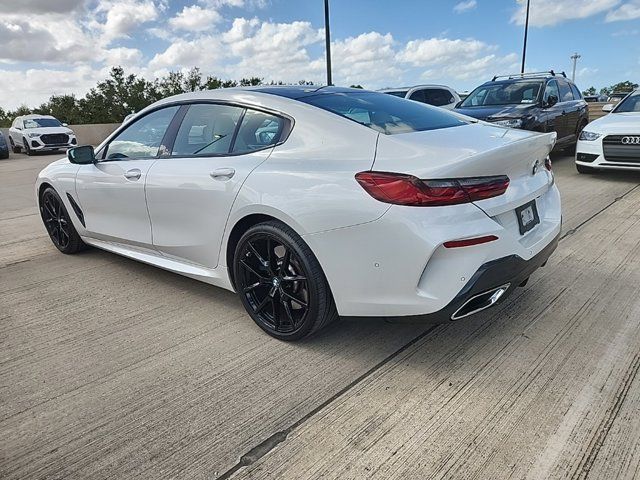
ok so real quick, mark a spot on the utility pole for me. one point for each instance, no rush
(575, 58)
(526, 31)
(327, 39)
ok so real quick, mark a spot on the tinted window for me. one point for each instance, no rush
(418, 96)
(207, 129)
(629, 104)
(576, 93)
(503, 94)
(384, 113)
(565, 91)
(551, 89)
(142, 139)
(257, 130)
(438, 97)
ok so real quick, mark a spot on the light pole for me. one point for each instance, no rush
(327, 40)
(575, 58)
(526, 31)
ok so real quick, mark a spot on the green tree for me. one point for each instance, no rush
(589, 91)
(626, 86)
(357, 86)
(63, 107)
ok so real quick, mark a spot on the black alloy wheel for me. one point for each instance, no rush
(280, 282)
(14, 147)
(27, 148)
(58, 224)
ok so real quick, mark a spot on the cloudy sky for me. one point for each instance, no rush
(65, 46)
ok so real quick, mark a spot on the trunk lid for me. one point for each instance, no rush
(474, 150)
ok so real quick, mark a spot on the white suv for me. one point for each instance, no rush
(38, 133)
(437, 95)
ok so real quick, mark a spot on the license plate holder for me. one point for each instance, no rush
(528, 217)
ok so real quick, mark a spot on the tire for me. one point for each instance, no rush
(27, 149)
(586, 170)
(281, 283)
(58, 223)
(14, 147)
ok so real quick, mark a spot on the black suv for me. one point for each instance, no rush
(543, 102)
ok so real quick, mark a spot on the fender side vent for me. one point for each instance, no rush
(77, 209)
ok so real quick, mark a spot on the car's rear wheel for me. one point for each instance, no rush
(281, 283)
(14, 148)
(583, 169)
(58, 223)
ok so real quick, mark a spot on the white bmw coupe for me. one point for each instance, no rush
(612, 142)
(315, 202)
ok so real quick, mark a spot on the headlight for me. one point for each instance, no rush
(70, 132)
(511, 123)
(589, 136)
(33, 135)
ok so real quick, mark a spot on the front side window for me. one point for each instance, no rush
(258, 130)
(495, 94)
(438, 97)
(629, 104)
(551, 91)
(207, 129)
(565, 92)
(384, 113)
(143, 138)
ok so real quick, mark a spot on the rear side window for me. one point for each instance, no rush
(418, 96)
(438, 97)
(576, 93)
(207, 129)
(565, 92)
(384, 113)
(258, 130)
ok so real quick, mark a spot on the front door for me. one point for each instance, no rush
(111, 192)
(190, 193)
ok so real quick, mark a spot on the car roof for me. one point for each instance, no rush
(35, 115)
(301, 91)
(428, 85)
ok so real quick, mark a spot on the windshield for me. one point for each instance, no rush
(629, 104)
(41, 123)
(385, 113)
(512, 93)
(398, 93)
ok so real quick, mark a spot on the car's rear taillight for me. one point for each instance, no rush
(402, 189)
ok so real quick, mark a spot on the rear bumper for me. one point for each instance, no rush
(511, 271)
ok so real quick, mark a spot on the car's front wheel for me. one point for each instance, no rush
(14, 148)
(58, 224)
(281, 283)
(27, 148)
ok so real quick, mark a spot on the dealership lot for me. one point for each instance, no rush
(111, 368)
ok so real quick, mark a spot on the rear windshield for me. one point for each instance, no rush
(503, 94)
(385, 113)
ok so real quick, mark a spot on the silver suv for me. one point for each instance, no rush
(37, 133)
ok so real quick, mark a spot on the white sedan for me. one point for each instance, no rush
(612, 142)
(315, 202)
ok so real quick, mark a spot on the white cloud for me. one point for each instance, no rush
(124, 16)
(627, 11)
(123, 57)
(545, 13)
(195, 19)
(465, 6)
(40, 6)
(204, 52)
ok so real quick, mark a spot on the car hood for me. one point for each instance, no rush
(628, 122)
(497, 112)
(49, 130)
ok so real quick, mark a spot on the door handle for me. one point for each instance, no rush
(222, 173)
(133, 174)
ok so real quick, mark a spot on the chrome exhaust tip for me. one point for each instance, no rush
(480, 302)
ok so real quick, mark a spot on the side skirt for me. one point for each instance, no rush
(218, 276)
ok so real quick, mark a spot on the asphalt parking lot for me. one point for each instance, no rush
(113, 369)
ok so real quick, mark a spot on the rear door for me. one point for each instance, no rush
(191, 192)
(570, 110)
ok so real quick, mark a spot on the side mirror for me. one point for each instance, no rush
(83, 155)
(551, 101)
(608, 107)
(65, 124)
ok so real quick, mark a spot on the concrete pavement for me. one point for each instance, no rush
(112, 369)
